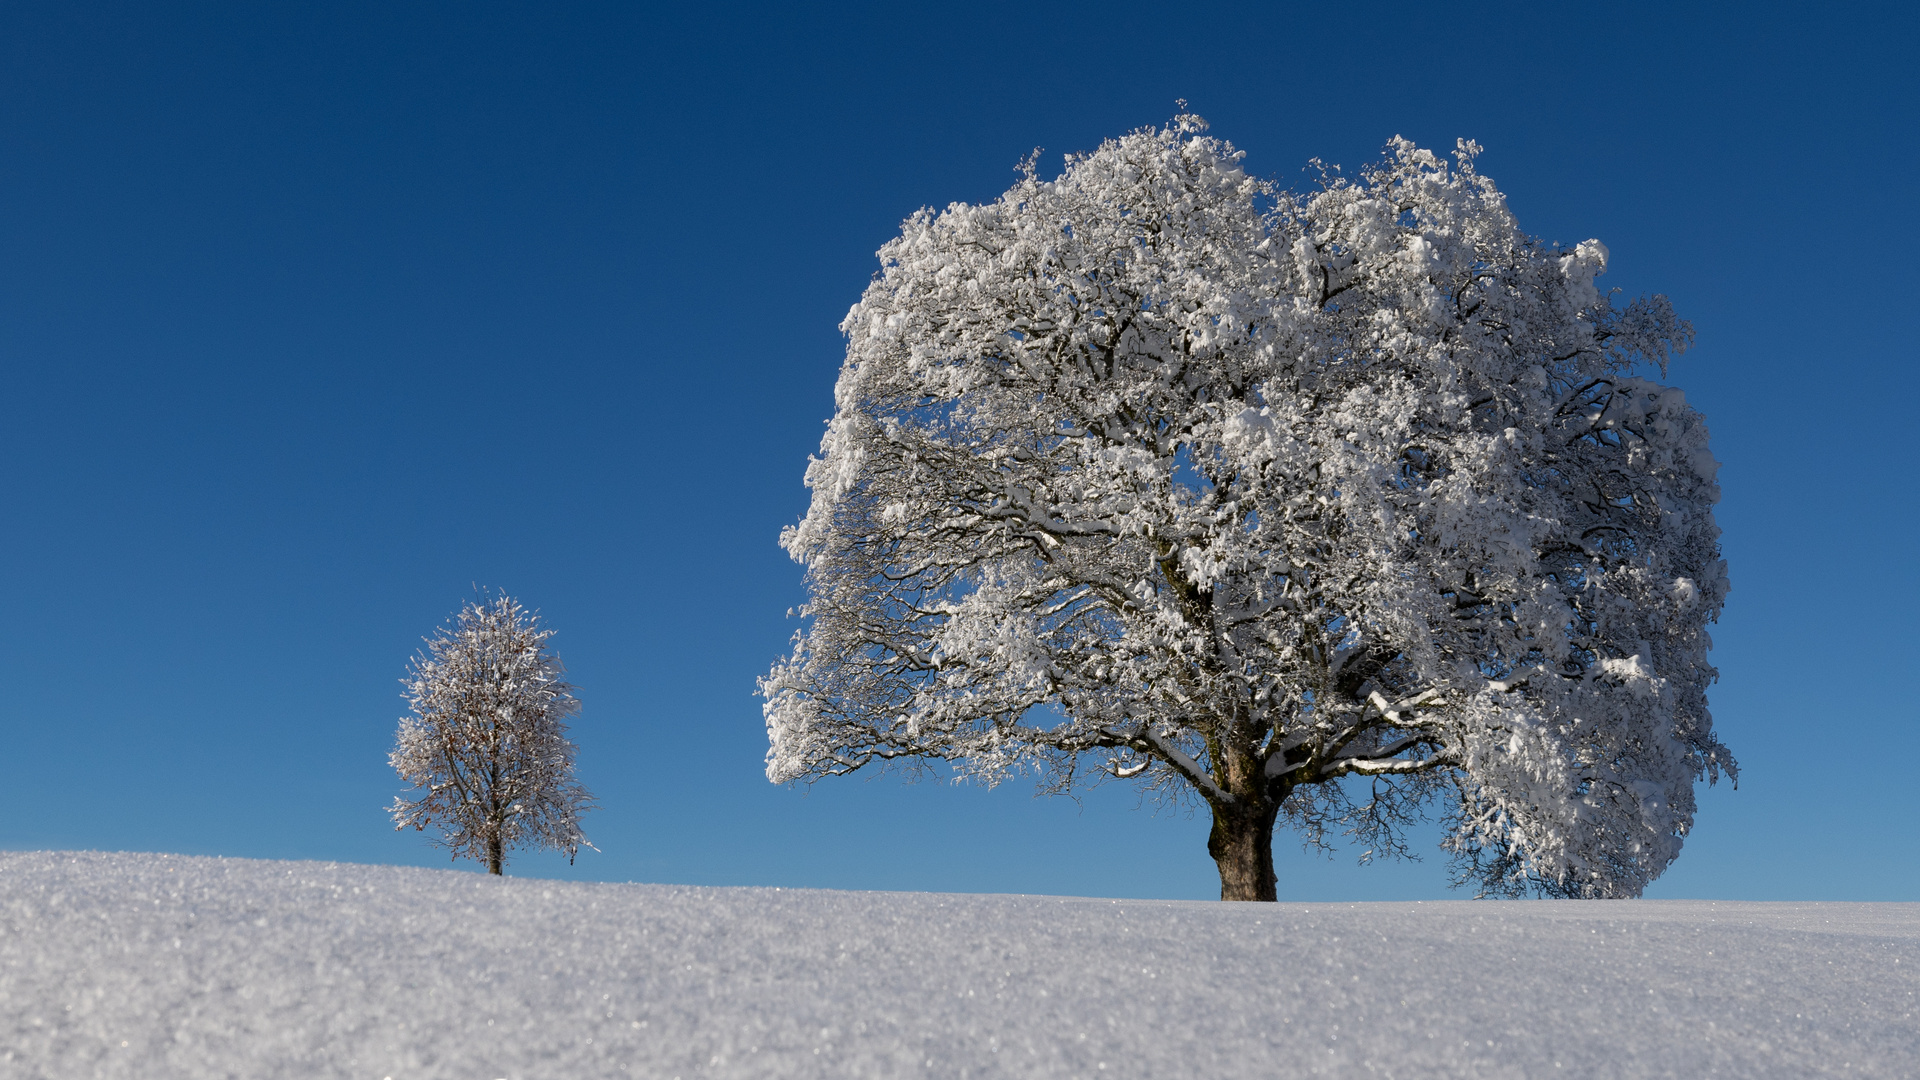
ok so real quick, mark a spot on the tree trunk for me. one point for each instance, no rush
(1242, 846)
(495, 859)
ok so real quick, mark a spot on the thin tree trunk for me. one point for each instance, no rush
(495, 860)
(1242, 846)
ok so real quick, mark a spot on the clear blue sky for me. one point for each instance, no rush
(312, 318)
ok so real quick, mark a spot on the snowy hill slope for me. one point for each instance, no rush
(158, 966)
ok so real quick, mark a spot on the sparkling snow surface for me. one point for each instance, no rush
(166, 966)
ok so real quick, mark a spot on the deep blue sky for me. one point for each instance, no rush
(314, 318)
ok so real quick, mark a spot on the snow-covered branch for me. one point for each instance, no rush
(1191, 770)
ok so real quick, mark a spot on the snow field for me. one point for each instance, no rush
(155, 966)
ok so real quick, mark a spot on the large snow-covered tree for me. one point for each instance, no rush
(486, 743)
(1334, 508)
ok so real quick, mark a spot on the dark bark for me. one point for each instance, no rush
(1242, 846)
(495, 856)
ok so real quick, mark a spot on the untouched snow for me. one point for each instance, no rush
(166, 966)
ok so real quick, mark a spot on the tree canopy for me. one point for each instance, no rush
(485, 743)
(1336, 508)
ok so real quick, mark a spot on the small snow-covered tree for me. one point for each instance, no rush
(486, 741)
(1331, 508)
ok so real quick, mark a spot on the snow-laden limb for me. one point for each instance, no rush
(486, 740)
(1188, 769)
(1272, 489)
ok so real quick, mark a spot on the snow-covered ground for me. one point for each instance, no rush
(158, 966)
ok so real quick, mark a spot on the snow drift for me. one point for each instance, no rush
(120, 965)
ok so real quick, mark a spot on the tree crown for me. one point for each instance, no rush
(486, 741)
(1244, 492)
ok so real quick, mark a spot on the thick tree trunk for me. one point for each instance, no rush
(495, 857)
(1242, 846)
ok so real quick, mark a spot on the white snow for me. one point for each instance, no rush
(153, 966)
